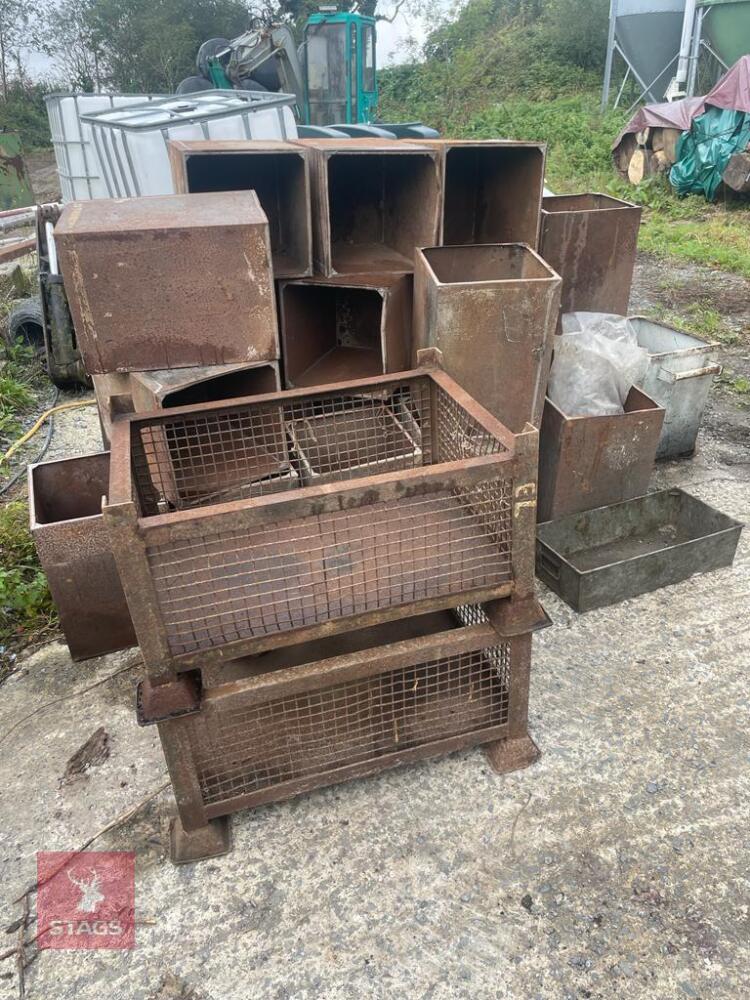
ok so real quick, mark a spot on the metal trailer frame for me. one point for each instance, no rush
(248, 557)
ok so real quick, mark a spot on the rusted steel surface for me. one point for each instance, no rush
(15, 249)
(591, 241)
(492, 191)
(240, 530)
(160, 702)
(65, 500)
(160, 390)
(373, 202)
(592, 461)
(492, 311)
(279, 174)
(113, 398)
(169, 281)
(338, 328)
(398, 693)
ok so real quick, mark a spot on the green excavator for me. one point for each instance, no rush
(332, 74)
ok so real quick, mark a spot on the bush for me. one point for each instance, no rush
(26, 607)
(24, 111)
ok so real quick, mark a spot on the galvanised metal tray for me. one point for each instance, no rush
(609, 554)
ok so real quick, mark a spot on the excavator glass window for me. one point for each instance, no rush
(326, 66)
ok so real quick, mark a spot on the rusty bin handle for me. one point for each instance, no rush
(667, 376)
(549, 566)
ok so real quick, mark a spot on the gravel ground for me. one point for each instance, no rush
(616, 866)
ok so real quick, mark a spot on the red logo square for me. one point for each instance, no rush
(86, 900)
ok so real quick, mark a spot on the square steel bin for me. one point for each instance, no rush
(609, 554)
(679, 377)
(342, 328)
(140, 392)
(374, 201)
(492, 191)
(492, 311)
(169, 281)
(590, 461)
(65, 503)
(271, 727)
(591, 241)
(394, 531)
(279, 174)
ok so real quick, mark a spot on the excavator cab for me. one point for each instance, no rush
(339, 68)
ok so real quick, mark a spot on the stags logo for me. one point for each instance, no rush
(86, 900)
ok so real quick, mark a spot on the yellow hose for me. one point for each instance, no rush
(47, 413)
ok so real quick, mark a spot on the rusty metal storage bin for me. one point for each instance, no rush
(65, 502)
(492, 191)
(591, 241)
(169, 281)
(140, 392)
(209, 579)
(278, 172)
(373, 201)
(591, 461)
(679, 377)
(317, 714)
(343, 328)
(492, 311)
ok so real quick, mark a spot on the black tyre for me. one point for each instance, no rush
(207, 51)
(250, 83)
(26, 324)
(192, 84)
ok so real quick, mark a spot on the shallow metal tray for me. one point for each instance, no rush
(606, 555)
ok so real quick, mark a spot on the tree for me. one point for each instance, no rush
(16, 18)
(73, 40)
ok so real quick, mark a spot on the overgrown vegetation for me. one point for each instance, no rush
(531, 69)
(20, 375)
(26, 609)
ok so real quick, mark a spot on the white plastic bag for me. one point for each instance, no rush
(597, 359)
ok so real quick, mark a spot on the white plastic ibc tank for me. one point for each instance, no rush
(131, 143)
(77, 163)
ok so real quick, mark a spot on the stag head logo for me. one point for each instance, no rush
(90, 890)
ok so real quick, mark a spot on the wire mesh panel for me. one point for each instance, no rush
(241, 748)
(230, 561)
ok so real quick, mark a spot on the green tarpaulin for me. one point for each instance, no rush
(704, 151)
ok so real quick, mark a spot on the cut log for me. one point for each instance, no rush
(643, 137)
(737, 172)
(638, 166)
(659, 164)
(622, 153)
(665, 140)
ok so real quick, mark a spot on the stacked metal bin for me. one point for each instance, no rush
(324, 583)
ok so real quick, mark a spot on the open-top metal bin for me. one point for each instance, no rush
(611, 553)
(491, 310)
(591, 241)
(595, 459)
(432, 504)
(340, 328)
(373, 202)
(492, 191)
(65, 507)
(270, 727)
(679, 377)
(278, 173)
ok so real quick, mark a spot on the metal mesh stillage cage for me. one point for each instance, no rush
(276, 732)
(246, 525)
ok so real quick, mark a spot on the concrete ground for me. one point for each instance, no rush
(615, 867)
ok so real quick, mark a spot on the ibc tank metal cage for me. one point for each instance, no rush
(274, 519)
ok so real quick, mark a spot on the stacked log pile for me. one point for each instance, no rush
(652, 151)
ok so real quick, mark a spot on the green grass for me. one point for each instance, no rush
(20, 376)
(26, 608)
(699, 318)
